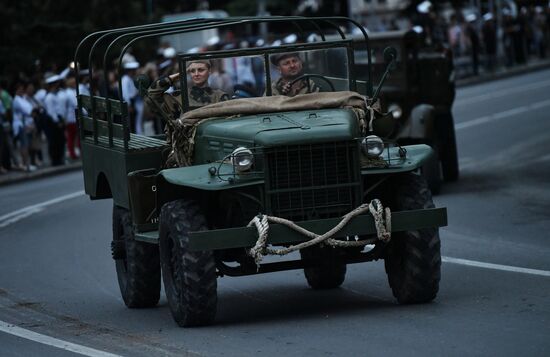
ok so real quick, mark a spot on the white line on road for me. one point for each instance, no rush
(502, 115)
(24, 212)
(510, 268)
(51, 341)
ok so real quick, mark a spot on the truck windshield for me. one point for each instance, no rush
(245, 75)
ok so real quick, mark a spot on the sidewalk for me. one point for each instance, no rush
(532, 66)
(15, 176)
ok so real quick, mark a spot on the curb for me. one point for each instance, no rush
(507, 73)
(20, 176)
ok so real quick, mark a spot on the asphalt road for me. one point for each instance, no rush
(59, 295)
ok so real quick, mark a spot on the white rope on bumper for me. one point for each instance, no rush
(382, 221)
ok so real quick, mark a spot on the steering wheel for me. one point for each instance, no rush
(308, 76)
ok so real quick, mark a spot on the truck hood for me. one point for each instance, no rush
(284, 128)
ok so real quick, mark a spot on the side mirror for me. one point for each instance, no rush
(142, 83)
(390, 57)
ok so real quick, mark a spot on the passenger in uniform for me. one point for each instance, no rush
(199, 93)
(290, 66)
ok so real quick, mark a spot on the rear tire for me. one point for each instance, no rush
(327, 274)
(413, 258)
(137, 263)
(189, 277)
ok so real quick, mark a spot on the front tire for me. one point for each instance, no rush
(189, 277)
(413, 258)
(137, 263)
(448, 153)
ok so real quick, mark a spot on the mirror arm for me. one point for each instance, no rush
(382, 80)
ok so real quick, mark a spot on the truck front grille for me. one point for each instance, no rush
(313, 181)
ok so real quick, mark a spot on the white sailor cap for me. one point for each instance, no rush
(52, 79)
(470, 17)
(290, 38)
(418, 29)
(131, 65)
(488, 16)
(312, 37)
(424, 7)
(64, 73)
(169, 52)
(213, 41)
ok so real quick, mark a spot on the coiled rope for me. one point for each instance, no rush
(382, 222)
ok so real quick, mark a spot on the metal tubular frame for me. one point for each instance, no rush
(195, 24)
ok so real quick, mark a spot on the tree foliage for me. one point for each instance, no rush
(45, 33)
(41, 35)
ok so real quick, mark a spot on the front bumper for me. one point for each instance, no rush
(246, 237)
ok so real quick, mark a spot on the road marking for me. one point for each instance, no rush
(510, 268)
(501, 93)
(501, 115)
(25, 212)
(51, 341)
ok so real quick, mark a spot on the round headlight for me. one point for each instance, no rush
(242, 159)
(396, 110)
(372, 146)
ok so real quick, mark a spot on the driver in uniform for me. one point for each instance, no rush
(290, 66)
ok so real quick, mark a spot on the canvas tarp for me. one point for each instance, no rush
(182, 136)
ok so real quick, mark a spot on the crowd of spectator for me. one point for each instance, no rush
(38, 122)
(474, 38)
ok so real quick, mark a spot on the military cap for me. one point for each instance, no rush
(276, 58)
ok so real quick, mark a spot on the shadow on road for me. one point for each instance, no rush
(234, 308)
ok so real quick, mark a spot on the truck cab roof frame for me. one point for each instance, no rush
(197, 24)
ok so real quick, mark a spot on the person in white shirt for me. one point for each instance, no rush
(131, 96)
(53, 103)
(35, 145)
(23, 125)
(71, 129)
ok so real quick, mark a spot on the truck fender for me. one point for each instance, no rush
(420, 124)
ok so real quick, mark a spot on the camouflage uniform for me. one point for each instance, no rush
(300, 87)
(205, 95)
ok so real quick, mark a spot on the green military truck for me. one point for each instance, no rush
(309, 179)
(420, 93)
